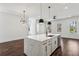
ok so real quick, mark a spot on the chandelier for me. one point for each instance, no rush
(23, 17)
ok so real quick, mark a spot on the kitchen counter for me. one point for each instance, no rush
(42, 37)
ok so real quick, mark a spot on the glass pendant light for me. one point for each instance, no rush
(49, 23)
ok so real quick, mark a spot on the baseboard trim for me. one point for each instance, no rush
(25, 54)
(69, 38)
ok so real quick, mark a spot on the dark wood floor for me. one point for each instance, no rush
(69, 47)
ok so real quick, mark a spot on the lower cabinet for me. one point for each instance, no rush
(49, 47)
(54, 43)
(41, 48)
(44, 50)
(32, 47)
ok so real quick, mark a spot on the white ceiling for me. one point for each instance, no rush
(71, 10)
(33, 9)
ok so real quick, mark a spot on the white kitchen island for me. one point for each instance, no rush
(40, 45)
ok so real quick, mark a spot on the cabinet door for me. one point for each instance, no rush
(49, 47)
(44, 48)
(56, 42)
(53, 45)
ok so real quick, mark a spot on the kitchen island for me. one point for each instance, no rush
(41, 45)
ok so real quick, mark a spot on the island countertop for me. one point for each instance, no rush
(42, 37)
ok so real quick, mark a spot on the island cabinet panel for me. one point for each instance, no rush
(44, 48)
(55, 43)
(49, 46)
(40, 47)
(12, 48)
(32, 47)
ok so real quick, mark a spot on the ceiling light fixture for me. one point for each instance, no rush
(23, 17)
(49, 11)
(66, 7)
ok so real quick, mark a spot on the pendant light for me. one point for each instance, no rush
(49, 23)
(41, 20)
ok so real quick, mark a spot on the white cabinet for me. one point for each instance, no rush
(32, 47)
(54, 43)
(40, 48)
(44, 49)
(49, 47)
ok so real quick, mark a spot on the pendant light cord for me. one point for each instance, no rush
(49, 11)
(40, 10)
(24, 14)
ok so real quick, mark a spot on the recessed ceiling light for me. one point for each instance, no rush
(65, 7)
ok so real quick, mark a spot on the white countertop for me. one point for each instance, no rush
(41, 37)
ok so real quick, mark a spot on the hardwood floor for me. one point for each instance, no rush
(70, 47)
(12, 48)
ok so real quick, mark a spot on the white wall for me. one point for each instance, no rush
(65, 28)
(10, 27)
